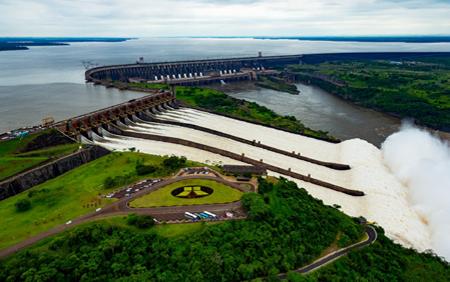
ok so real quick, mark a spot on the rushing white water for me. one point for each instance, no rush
(422, 162)
(269, 136)
(114, 142)
(386, 200)
(256, 153)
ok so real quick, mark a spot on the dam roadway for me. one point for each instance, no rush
(193, 72)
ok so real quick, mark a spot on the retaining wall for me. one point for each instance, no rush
(38, 175)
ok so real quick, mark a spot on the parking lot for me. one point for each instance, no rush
(128, 191)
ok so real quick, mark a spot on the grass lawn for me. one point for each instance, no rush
(163, 196)
(13, 162)
(69, 196)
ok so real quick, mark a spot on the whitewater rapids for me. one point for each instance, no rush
(386, 200)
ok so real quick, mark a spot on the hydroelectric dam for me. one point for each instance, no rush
(118, 120)
(193, 72)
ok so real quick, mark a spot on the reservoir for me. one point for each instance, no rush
(49, 81)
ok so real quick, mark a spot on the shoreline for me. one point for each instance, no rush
(249, 86)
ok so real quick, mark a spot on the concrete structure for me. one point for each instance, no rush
(192, 72)
(243, 169)
(84, 124)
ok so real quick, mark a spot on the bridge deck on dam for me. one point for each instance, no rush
(77, 125)
(188, 71)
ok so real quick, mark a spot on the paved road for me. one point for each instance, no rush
(121, 208)
(372, 237)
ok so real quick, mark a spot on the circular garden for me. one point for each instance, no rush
(189, 192)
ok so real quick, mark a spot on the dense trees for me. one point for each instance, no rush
(140, 221)
(419, 90)
(174, 162)
(383, 261)
(142, 169)
(286, 229)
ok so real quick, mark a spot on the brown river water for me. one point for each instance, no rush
(319, 109)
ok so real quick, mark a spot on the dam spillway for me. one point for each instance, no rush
(385, 199)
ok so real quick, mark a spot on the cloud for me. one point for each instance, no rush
(214, 17)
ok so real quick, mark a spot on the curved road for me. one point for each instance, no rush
(372, 237)
(121, 208)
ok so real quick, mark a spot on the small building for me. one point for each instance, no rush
(244, 170)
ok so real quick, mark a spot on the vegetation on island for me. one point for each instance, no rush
(278, 84)
(23, 153)
(418, 89)
(163, 197)
(218, 102)
(286, 229)
(73, 194)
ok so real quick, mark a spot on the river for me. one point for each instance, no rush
(319, 109)
(49, 81)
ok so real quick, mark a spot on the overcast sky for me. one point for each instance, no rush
(223, 18)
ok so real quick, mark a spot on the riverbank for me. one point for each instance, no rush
(278, 84)
(416, 88)
(215, 101)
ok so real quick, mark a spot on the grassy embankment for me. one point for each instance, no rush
(14, 158)
(277, 84)
(72, 194)
(221, 103)
(286, 228)
(419, 89)
(163, 197)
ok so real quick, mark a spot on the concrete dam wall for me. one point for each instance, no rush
(26, 180)
(191, 72)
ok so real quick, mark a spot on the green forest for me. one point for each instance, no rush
(417, 89)
(286, 229)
